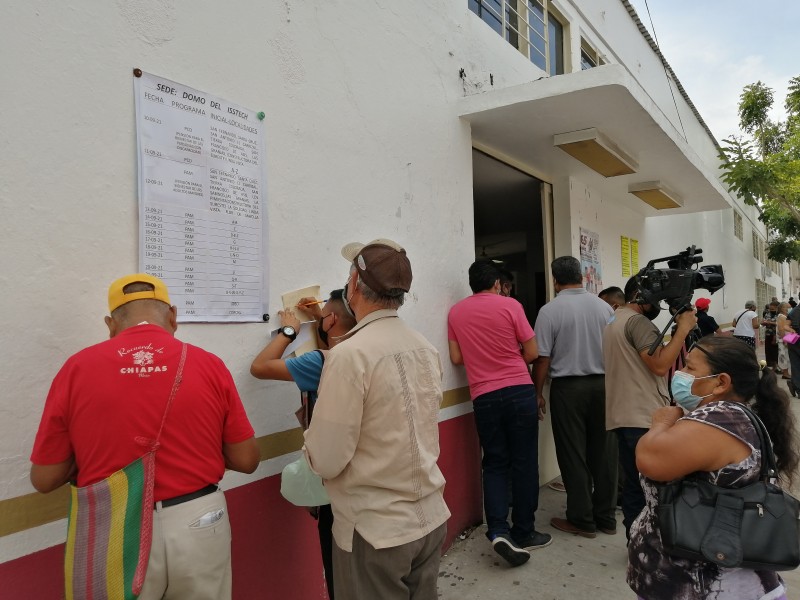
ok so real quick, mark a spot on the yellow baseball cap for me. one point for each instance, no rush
(117, 297)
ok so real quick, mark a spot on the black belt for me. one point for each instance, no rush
(209, 489)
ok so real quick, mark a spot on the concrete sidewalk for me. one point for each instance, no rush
(571, 568)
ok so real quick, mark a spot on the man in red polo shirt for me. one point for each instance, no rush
(107, 397)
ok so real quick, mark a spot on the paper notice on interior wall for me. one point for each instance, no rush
(634, 256)
(201, 191)
(290, 300)
(590, 261)
(625, 250)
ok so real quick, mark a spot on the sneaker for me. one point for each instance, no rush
(536, 540)
(505, 547)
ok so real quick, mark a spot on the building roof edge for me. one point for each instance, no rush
(646, 34)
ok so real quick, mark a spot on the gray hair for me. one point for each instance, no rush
(370, 295)
(750, 304)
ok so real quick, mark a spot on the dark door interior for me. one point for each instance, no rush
(508, 226)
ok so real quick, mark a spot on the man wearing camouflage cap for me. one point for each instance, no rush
(374, 438)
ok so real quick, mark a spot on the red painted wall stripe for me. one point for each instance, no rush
(275, 544)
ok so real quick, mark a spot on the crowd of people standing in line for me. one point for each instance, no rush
(379, 376)
(619, 401)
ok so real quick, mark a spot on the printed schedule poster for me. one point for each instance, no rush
(201, 188)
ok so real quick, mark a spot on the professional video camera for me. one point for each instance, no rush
(676, 284)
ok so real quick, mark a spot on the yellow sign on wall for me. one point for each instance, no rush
(629, 249)
(625, 244)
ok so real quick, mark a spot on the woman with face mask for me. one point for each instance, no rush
(707, 433)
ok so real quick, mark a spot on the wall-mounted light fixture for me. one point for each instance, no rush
(655, 194)
(596, 151)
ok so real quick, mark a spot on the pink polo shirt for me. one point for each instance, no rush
(489, 329)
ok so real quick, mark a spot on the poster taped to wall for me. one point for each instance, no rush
(201, 209)
(590, 261)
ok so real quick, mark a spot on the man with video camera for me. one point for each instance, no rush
(635, 382)
(637, 362)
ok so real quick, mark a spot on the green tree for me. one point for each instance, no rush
(763, 165)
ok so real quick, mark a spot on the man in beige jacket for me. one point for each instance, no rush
(374, 438)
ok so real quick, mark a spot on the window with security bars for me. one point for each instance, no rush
(530, 26)
(762, 296)
(758, 248)
(738, 227)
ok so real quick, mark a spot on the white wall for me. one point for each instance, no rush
(362, 137)
(363, 141)
(581, 206)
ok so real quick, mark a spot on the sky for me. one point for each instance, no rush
(716, 47)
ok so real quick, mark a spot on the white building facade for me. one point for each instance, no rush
(451, 127)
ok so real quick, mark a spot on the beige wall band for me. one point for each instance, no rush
(32, 510)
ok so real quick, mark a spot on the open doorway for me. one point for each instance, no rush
(510, 227)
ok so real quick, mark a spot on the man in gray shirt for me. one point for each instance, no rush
(569, 331)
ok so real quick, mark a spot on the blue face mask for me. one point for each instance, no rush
(681, 388)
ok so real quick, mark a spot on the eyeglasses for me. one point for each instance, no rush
(699, 347)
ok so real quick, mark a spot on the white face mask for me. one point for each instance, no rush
(346, 301)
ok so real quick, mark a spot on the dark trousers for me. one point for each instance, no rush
(406, 572)
(794, 363)
(587, 454)
(325, 529)
(632, 492)
(508, 429)
(771, 350)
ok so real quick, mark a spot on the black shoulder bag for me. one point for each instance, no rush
(754, 527)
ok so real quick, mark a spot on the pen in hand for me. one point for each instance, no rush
(315, 302)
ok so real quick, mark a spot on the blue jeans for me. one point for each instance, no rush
(632, 492)
(508, 429)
